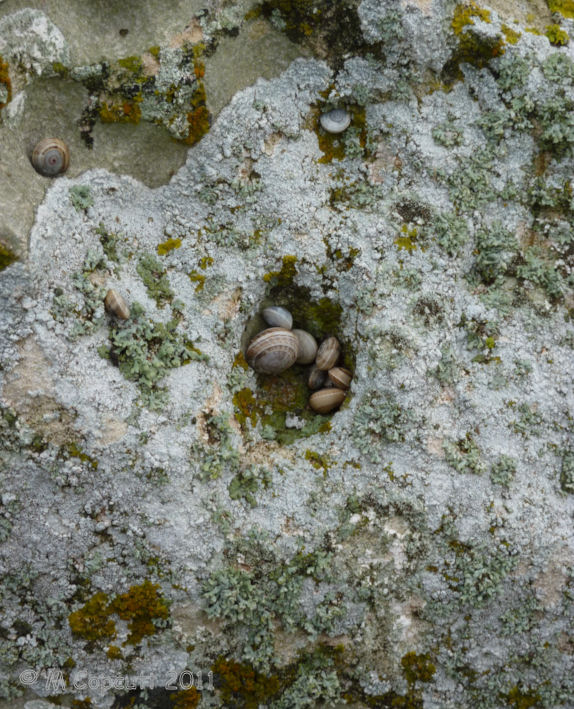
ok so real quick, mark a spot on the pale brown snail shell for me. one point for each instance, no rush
(340, 377)
(307, 346)
(328, 353)
(273, 351)
(50, 157)
(326, 400)
(116, 305)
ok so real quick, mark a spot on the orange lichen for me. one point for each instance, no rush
(186, 699)
(125, 112)
(140, 606)
(5, 81)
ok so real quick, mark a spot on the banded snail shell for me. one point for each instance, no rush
(326, 400)
(307, 346)
(276, 316)
(328, 353)
(116, 305)
(340, 377)
(50, 157)
(335, 121)
(272, 351)
(316, 378)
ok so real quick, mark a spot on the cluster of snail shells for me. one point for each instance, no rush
(279, 347)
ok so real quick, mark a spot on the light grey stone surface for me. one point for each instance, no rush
(428, 529)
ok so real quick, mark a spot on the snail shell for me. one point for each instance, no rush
(316, 378)
(335, 121)
(276, 316)
(273, 351)
(116, 305)
(307, 346)
(328, 353)
(50, 157)
(340, 377)
(326, 400)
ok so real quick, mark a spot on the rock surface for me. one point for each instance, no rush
(166, 511)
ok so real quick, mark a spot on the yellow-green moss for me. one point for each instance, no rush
(318, 461)
(241, 685)
(60, 69)
(520, 699)
(471, 49)
(92, 622)
(417, 668)
(407, 239)
(186, 699)
(75, 452)
(122, 112)
(7, 257)
(205, 262)
(285, 276)
(246, 407)
(133, 64)
(463, 16)
(139, 606)
(154, 51)
(198, 118)
(197, 278)
(512, 36)
(556, 35)
(114, 652)
(167, 246)
(564, 7)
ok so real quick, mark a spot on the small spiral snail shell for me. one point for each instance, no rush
(307, 346)
(276, 316)
(335, 121)
(340, 377)
(116, 305)
(50, 157)
(328, 353)
(273, 351)
(326, 400)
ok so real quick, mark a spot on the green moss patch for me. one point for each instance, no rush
(7, 257)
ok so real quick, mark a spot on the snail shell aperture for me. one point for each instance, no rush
(328, 353)
(116, 305)
(273, 351)
(276, 316)
(50, 157)
(307, 346)
(326, 400)
(335, 121)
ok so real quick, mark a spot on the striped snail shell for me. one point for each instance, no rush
(276, 316)
(307, 346)
(50, 157)
(316, 378)
(116, 305)
(335, 121)
(328, 353)
(326, 400)
(273, 351)
(340, 377)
